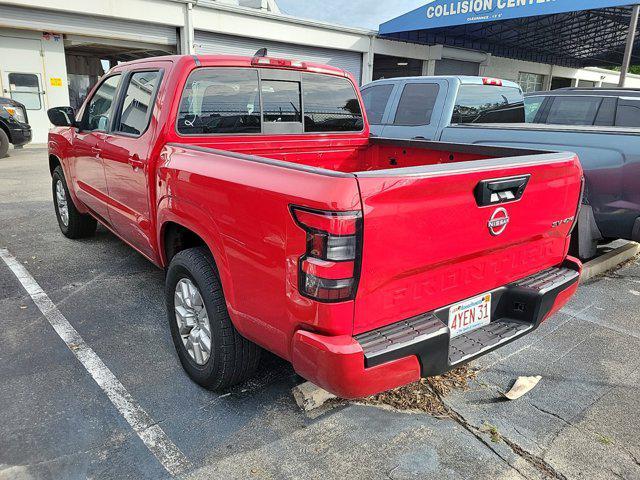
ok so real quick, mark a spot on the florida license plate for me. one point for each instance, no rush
(469, 315)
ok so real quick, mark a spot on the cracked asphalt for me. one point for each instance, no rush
(580, 422)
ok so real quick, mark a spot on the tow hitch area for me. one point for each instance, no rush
(458, 333)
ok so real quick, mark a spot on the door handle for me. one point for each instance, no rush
(419, 137)
(500, 190)
(135, 162)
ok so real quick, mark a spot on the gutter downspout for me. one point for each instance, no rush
(367, 63)
(187, 35)
(633, 25)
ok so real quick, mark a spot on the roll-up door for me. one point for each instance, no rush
(64, 22)
(448, 66)
(214, 43)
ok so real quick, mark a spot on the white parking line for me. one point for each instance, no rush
(167, 453)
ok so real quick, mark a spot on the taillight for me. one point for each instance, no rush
(329, 268)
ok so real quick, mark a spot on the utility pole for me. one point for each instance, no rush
(633, 26)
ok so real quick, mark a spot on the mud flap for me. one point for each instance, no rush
(587, 233)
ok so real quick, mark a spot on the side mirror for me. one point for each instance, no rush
(62, 116)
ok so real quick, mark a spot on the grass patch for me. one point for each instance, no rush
(491, 430)
(604, 440)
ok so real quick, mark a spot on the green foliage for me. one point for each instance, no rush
(632, 69)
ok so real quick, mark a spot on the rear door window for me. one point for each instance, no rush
(628, 114)
(416, 104)
(376, 98)
(220, 101)
(137, 104)
(330, 105)
(574, 110)
(488, 104)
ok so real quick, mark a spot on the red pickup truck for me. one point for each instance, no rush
(367, 263)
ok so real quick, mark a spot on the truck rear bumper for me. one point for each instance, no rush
(400, 353)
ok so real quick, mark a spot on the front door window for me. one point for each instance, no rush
(99, 110)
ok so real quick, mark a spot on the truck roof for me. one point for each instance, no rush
(237, 61)
(595, 91)
(462, 79)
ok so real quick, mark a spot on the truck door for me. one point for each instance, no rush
(416, 109)
(87, 168)
(125, 153)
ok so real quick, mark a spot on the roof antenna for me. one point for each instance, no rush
(261, 53)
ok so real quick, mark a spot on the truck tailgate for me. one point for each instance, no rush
(428, 243)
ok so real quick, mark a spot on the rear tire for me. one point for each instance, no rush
(4, 144)
(73, 224)
(230, 358)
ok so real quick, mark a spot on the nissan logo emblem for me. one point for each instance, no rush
(498, 221)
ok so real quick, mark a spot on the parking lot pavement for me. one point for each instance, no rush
(57, 422)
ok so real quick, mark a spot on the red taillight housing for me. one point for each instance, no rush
(492, 81)
(330, 267)
(278, 63)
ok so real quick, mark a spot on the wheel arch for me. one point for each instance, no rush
(182, 225)
(54, 161)
(6, 130)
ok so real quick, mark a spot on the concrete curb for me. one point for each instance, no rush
(609, 260)
(309, 396)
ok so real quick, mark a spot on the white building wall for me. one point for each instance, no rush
(152, 21)
(23, 51)
(55, 67)
(509, 69)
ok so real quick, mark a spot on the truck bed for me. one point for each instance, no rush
(426, 238)
(376, 155)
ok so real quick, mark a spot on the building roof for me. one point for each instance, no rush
(574, 38)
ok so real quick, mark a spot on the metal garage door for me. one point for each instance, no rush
(448, 66)
(214, 43)
(62, 22)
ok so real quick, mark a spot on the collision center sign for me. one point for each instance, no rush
(445, 13)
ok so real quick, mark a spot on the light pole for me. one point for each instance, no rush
(626, 63)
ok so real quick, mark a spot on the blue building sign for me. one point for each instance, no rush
(445, 13)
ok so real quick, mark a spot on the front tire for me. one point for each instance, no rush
(211, 350)
(73, 224)
(4, 144)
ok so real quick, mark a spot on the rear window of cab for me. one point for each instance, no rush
(228, 101)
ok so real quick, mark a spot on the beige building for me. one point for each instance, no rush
(52, 52)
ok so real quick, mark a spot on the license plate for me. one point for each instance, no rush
(469, 315)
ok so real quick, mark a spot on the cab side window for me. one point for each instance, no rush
(574, 110)
(416, 104)
(628, 114)
(99, 110)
